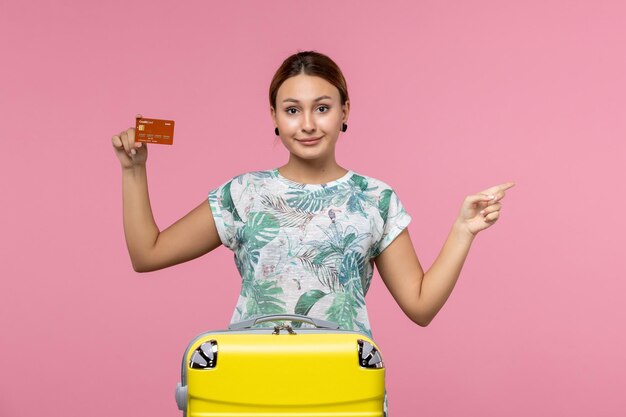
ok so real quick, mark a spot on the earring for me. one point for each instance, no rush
(276, 131)
(344, 127)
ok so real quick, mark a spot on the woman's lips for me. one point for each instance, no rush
(309, 142)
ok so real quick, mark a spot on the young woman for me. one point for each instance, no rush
(305, 235)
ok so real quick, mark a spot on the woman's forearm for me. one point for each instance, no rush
(439, 280)
(140, 228)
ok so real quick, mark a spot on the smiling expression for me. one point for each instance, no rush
(309, 107)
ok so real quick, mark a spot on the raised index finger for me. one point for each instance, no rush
(498, 188)
(505, 186)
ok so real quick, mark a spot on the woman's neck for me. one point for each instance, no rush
(312, 172)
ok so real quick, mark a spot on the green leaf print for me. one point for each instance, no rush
(261, 300)
(318, 200)
(359, 181)
(364, 329)
(306, 302)
(327, 253)
(383, 204)
(227, 201)
(343, 311)
(324, 257)
(359, 195)
(324, 269)
(356, 204)
(286, 215)
(245, 259)
(351, 276)
(260, 176)
(349, 268)
(339, 241)
(348, 239)
(260, 229)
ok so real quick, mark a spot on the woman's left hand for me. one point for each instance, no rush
(479, 211)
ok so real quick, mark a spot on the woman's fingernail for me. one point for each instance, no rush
(133, 151)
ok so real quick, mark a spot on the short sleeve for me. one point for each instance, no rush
(224, 212)
(395, 220)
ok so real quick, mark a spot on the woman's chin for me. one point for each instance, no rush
(316, 151)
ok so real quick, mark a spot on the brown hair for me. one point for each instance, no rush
(309, 63)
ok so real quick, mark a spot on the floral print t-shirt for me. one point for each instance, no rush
(306, 248)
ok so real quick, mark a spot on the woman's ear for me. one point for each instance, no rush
(346, 111)
(273, 114)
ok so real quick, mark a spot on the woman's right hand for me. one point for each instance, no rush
(129, 152)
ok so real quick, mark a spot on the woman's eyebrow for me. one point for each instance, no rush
(296, 101)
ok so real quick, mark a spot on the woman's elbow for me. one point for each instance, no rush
(421, 320)
(422, 323)
(140, 267)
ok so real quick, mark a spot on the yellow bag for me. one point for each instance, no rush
(284, 371)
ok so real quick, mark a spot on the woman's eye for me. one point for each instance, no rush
(293, 108)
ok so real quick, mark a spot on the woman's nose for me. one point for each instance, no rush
(308, 123)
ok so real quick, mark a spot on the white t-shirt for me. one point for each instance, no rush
(306, 248)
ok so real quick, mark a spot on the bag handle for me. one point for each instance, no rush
(245, 324)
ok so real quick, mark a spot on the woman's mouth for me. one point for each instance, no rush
(309, 141)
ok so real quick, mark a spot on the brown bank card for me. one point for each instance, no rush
(154, 131)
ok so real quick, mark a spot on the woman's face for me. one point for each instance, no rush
(309, 107)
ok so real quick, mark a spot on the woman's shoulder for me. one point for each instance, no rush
(239, 183)
(257, 177)
(369, 183)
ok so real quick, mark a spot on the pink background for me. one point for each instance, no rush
(448, 98)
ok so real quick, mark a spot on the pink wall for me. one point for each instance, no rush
(448, 98)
